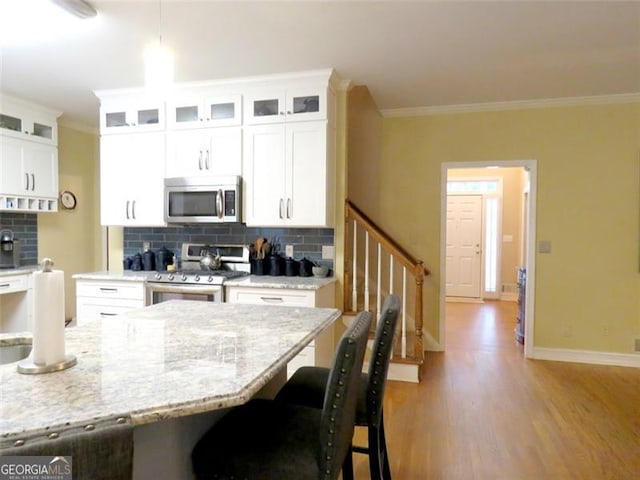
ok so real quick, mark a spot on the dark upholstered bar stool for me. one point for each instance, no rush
(307, 387)
(269, 440)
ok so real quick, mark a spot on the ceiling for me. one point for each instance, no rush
(409, 54)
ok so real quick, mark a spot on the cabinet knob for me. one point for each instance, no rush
(281, 113)
(288, 112)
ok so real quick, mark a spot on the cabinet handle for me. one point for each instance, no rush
(288, 208)
(109, 289)
(33, 181)
(127, 209)
(133, 209)
(272, 299)
(281, 113)
(105, 314)
(280, 208)
(27, 176)
(5, 285)
(288, 112)
(200, 160)
(206, 161)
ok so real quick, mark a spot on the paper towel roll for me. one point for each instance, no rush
(48, 317)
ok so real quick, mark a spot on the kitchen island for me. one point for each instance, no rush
(154, 366)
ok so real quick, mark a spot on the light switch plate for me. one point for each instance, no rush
(544, 246)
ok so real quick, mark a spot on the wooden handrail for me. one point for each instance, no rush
(416, 266)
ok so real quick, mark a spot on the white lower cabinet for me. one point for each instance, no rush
(320, 351)
(15, 303)
(100, 299)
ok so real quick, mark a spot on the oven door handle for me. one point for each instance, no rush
(198, 289)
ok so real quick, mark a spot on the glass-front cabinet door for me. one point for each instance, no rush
(286, 106)
(38, 128)
(306, 104)
(198, 112)
(128, 118)
(265, 107)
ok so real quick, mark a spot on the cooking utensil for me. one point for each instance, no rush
(259, 243)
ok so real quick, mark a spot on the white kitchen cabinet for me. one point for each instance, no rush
(15, 303)
(204, 152)
(317, 353)
(129, 115)
(288, 173)
(195, 111)
(132, 179)
(28, 157)
(28, 175)
(286, 105)
(104, 299)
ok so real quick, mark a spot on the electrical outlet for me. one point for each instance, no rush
(146, 246)
(606, 331)
(328, 251)
(288, 250)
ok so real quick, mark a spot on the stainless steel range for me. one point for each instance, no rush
(196, 282)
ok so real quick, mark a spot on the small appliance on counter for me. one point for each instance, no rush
(9, 250)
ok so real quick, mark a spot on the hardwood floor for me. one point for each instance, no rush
(484, 412)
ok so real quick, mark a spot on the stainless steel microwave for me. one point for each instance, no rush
(202, 199)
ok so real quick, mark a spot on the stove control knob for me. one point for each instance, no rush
(184, 277)
(196, 277)
(171, 277)
(158, 276)
(210, 279)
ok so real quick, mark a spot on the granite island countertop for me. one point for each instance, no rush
(164, 361)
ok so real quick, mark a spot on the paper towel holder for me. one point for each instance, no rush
(27, 366)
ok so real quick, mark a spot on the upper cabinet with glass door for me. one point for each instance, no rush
(204, 112)
(276, 106)
(23, 120)
(126, 116)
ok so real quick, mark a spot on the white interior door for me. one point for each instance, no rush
(463, 247)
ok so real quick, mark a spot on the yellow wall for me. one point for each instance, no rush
(72, 237)
(512, 204)
(588, 201)
(364, 130)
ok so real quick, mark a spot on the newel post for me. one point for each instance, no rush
(418, 350)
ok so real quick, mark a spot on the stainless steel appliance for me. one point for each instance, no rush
(9, 250)
(203, 199)
(193, 282)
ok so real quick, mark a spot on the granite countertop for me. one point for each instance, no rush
(126, 275)
(260, 281)
(19, 270)
(268, 281)
(168, 360)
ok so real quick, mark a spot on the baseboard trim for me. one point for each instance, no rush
(430, 344)
(403, 372)
(463, 300)
(509, 297)
(587, 356)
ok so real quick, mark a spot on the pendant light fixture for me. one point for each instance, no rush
(158, 62)
(79, 8)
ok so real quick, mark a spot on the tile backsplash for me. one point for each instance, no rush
(25, 228)
(307, 242)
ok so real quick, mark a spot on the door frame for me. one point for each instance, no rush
(532, 167)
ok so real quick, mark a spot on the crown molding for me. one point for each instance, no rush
(81, 127)
(512, 105)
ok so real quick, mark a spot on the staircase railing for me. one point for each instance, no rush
(367, 248)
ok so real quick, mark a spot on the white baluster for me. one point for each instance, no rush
(404, 312)
(366, 270)
(390, 273)
(379, 286)
(354, 287)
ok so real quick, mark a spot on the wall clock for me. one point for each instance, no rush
(68, 200)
